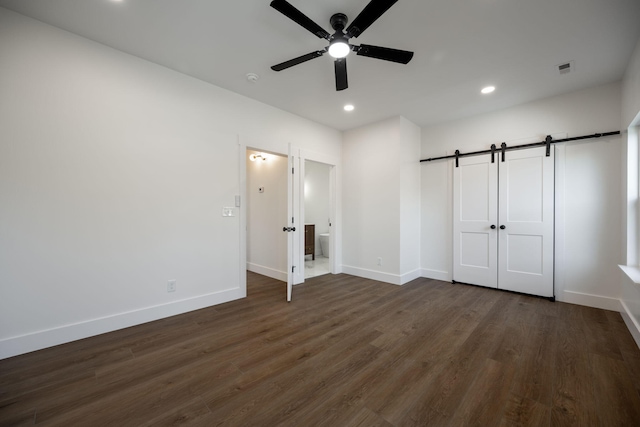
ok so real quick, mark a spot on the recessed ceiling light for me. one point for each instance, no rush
(488, 89)
(348, 107)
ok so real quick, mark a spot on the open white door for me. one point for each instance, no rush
(475, 211)
(293, 227)
(526, 222)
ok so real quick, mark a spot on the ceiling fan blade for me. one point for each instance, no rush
(294, 14)
(385, 53)
(298, 60)
(341, 74)
(368, 16)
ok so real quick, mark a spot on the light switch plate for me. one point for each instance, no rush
(228, 212)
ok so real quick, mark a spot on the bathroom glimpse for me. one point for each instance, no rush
(317, 211)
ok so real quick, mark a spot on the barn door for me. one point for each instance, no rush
(475, 207)
(503, 221)
(526, 186)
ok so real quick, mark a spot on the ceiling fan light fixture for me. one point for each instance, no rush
(339, 48)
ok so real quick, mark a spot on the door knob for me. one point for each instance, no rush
(502, 227)
(493, 226)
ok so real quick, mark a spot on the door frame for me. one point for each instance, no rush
(334, 179)
(246, 145)
(335, 185)
(332, 210)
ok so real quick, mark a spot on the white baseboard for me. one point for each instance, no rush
(266, 271)
(380, 276)
(631, 322)
(445, 276)
(412, 275)
(27, 343)
(589, 300)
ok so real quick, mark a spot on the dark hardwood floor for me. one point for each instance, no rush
(346, 352)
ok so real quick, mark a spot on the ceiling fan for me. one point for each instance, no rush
(339, 46)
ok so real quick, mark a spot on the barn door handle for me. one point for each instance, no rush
(493, 226)
(502, 227)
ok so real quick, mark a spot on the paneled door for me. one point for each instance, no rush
(526, 217)
(503, 221)
(475, 211)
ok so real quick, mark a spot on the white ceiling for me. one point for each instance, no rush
(460, 46)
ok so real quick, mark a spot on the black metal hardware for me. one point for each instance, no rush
(457, 154)
(504, 148)
(548, 142)
(288, 229)
(293, 229)
(493, 226)
(519, 147)
(285, 229)
(502, 227)
(493, 152)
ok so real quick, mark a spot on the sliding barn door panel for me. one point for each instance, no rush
(475, 210)
(503, 221)
(526, 194)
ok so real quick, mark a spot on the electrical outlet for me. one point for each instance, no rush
(379, 261)
(171, 286)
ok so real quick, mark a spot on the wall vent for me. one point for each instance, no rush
(566, 68)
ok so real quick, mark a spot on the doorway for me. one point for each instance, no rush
(279, 218)
(266, 196)
(317, 219)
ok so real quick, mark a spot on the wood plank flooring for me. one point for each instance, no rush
(346, 352)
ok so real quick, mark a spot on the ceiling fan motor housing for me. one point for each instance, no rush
(339, 21)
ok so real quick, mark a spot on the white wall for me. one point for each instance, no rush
(631, 121)
(588, 178)
(409, 154)
(380, 159)
(317, 198)
(631, 89)
(266, 215)
(113, 175)
(371, 198)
